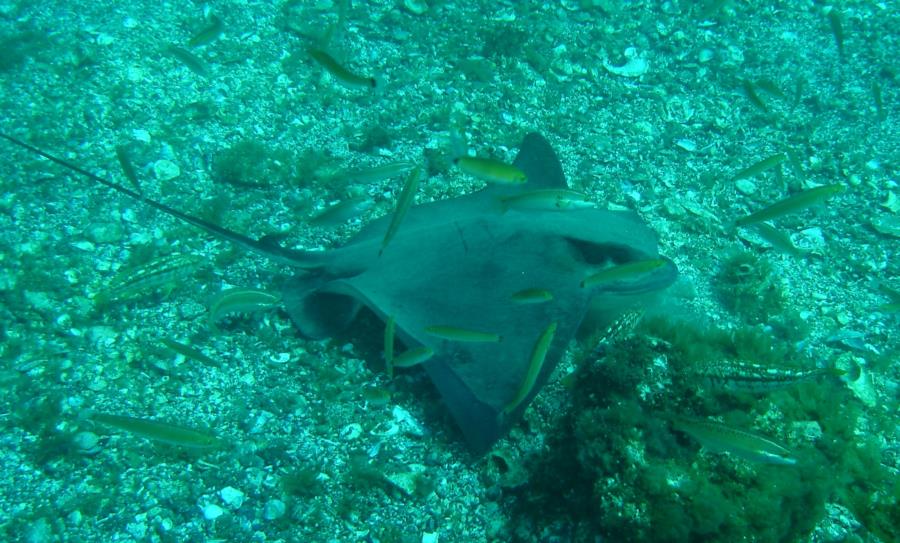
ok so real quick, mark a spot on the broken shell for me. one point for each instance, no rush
(351, 431)
(687, 145)
(635, 67)
(406, 422)
(858, 378)
(385, 429)
(407, 481)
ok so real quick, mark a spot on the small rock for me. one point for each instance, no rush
(274, 509)
(686, 144)
(164, 170)
(212, 511)
(232, 497)
(416, 7)
(86, 443)
(404, 480)
(141, 135)
(104, 232)
(889, 225)
(745, 186)
(406, 422)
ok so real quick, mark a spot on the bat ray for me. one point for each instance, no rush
(457, 262)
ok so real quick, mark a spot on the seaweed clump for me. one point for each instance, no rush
(251, 164)
(746, 286)
(615, 470)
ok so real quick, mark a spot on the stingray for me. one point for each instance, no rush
(457, 263)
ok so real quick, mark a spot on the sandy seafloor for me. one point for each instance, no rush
(643, 101)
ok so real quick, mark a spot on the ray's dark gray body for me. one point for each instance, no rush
(457, 262)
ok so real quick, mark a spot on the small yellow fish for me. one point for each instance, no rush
(191, 61)
(342, 212)
(793, 203)
(490, 170)
(379, 173)
(760, 167)
(535, 365)
(547, 200)
(240, 300)
(532, 296)
(188, 352)
(208, 34)
(339, 72)
(623, 272)
(718, 437)
(413, 357)
(407, 196)
(454, 333)
(160, 431)
(389, 329)
(127, 166)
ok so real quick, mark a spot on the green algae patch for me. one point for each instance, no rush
(747, 286)
(615, 468)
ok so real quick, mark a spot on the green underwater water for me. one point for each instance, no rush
(128, 415)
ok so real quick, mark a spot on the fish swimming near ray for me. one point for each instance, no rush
(457, 264)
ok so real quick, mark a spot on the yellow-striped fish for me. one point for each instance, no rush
(339, 72)
(535, 365)
(547, 200)
(342, 212)
(240, 300)
(165, 271)
(490, 170)
(389, 329)
(791, 204)
(532, 296)
(623, 272)
(407, 196)
(164, 432)
(718, 437)
(413, 357)
(760, 167)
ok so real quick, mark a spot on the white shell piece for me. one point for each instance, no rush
(635, 67)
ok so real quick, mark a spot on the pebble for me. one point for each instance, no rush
(274, 509)
(86, 443)
(745, 186)
(416, 7)
(232, 497)
(686, 144)
(141, 135)
(104, 232)
(212, 511)
(164, 170)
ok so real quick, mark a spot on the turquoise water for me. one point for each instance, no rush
(230, 113)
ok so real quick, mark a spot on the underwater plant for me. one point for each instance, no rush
(746, 285)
